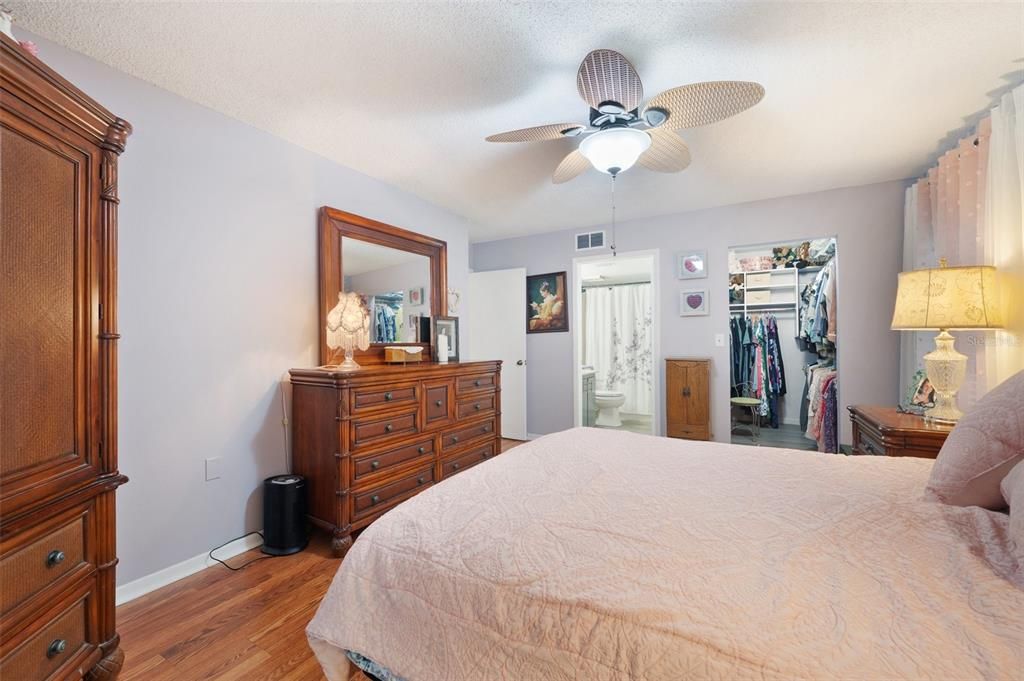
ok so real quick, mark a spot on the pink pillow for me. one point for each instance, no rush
(1013, 491)
(982, 449)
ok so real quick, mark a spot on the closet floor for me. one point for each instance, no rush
(788, 436)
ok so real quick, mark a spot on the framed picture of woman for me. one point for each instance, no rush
(547, 303)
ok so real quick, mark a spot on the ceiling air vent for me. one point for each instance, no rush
(590, 241)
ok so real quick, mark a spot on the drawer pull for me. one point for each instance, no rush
(484, 454)
(375, 465)
(438, 403)
(868, 447)
(388, 428)
(420, 480)
(455, 466)
(421, 450)
(477, 383)
(374, 499)
(388, 397)
(455, 438)
(56, 648)
(487, 429)
(54, 558)
(477, 406)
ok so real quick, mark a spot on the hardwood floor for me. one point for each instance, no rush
(225, 625)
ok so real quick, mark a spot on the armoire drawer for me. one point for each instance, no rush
(461, 462)
(368, 430)
(476, 406)
(41, 562)
(376, 499)
(473, 382)
(49, 649)
(379, 462)
(375, 397)
(457, 437)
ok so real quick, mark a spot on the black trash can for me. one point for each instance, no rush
(284, 515)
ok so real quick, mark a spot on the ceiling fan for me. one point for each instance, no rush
(620, 133)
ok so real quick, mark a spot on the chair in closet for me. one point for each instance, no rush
(745, 401)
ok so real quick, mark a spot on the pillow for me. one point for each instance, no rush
(981, 450)
(1013, 492)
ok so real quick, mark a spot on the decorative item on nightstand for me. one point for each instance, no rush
(945, 298)
(348, 327)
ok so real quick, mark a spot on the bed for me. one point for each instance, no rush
(595, 555)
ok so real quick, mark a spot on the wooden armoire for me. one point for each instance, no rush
(688, 398)
(58, 393)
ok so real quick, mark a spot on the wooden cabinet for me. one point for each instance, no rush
(369, 439)
(688, 398)
(58, 397)
(884, 431)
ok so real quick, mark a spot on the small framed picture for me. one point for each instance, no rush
(416, 296)
(449, 326)
(920, 393)
(692, 265)
(693, 302)
(547, 307)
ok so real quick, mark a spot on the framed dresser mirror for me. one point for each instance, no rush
(401, 274)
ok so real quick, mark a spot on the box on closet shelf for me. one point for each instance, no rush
(763, 279)
(758, 297)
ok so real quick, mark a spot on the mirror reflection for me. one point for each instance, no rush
(395, 284)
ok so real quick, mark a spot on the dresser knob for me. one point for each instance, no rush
(374, 499)
(455, 465)
(477, 406)
(455, 438)
(438, 403)
(54, 557)
(388, 428)
(56, 648)
(375, 465)
(487, 429)
(387, 397)
(421, 480)
(421, 450)
(483, 455)
(477, 382)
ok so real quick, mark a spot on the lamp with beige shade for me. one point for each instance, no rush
(942, 299)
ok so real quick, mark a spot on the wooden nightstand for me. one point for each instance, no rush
(884, 431)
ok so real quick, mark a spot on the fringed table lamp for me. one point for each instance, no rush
(941, 299)
(348, 327)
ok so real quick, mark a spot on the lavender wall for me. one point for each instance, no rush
(218, 299)
(868, 222)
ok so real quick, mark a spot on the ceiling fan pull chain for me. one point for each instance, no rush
(614, 253)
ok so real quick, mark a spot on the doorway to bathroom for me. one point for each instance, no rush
(616, 341)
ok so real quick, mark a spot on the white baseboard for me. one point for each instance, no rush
(534, 436)
(152, 582)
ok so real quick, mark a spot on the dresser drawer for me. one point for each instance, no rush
(41, 562)
(437, 404)
(376, 499)
(457, 437)
(49, 649)
(371, 464)
(461, 462)
(476, 406)
(867, 441)
(474, 382)
(374, 397)
(367, 430)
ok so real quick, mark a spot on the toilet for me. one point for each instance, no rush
(608, 403)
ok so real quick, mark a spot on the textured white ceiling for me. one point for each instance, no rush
(856, 92)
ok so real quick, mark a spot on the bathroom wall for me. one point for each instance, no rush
(868, 224)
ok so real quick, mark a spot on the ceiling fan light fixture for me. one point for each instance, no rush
(616, 149)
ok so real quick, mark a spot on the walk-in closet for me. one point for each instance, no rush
(783, 336)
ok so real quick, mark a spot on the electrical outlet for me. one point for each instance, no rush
(719, 340)
(213, 466)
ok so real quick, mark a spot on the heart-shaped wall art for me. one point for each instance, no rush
(695, 300)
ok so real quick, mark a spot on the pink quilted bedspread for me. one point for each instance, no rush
(595, 555)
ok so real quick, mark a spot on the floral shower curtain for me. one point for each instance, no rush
(618, 342)
(968, 210)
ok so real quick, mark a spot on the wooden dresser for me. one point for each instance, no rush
(58, 394)
(884, 431)
(369, 439)
(688, 398)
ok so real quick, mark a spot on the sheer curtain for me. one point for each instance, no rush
(618, 342)
(968, 210)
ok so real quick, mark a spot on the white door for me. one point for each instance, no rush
(496, 328)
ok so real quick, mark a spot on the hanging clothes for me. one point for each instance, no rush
(756, 368)
(385, 325)
(822, 407)
(817, 321)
